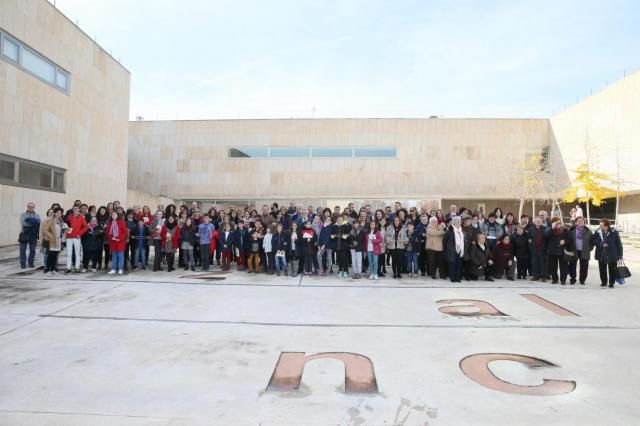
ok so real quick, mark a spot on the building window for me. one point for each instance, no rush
(32, 62)
(332, 152)
(314, 152)
(289, 152)
(30, 174)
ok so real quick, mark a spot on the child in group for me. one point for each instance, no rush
(139, 238)
(521, 251)
(308, 246)
(226, 242)
(411, 251)
(280, 245)
(205, 229)
(253, 263)
(92, 242)
(342, 245)
(268, 253)
(325, 246)
(373, 239)
(356, 242)
(170, 241)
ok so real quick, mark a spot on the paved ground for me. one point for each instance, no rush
(176, 349)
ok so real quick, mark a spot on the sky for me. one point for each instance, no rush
(197, 59)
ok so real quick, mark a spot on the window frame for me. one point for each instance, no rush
(310, 149)
(17, 161)
(4, 35)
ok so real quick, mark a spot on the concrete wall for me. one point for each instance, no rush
(84, 133)
(456, 158)
(140, 198)
(604, 120)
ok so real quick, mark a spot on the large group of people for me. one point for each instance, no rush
(288, 241)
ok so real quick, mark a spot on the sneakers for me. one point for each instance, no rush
(375, 277)
(111, 272)
(68, 271)
(120, 272)
(83, 270)
(94, 270)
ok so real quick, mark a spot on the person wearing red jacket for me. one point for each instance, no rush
(117, 237)
(77, 227)
(170, 235)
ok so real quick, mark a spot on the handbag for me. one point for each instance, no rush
(622, 271)
(568, 256)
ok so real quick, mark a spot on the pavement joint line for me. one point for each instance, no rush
(20, 326)
(405, 286)
(277, 324)
(93, 414)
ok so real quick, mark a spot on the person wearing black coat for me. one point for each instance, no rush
(580, 238)
(342, 245)
(307, 245)
(521, 251)
(557, 243)
(608, 251)
(92, 243)
(280, 245)
(480, 259)
(538, 235)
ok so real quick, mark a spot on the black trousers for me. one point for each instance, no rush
(381, 263)
(436, 263)
(555, 262)
(523, 266)
(343, 260)
(52, 260)
(397, 261)
(584, 268)
(538, 264)
(107, 256)
(157, 254)
(611, 266)
(90, 256)
(196, 253)
(170, 257)
(422, 261)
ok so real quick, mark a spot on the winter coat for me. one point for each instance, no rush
(175, 236)
(281, 241)
(520, 245)
(376, 242)
(492, 230)
(396, 241)
(93, 239)
(544, 233)
(449, 244)
(479, 259)
(342, 237)
(415, 242)
(324, 239)
(356, 239)
(226, 244)
(49, 233)
(502, 254)
(435, 235)
(78, 225)
(553, 242)
(307, 246)
(613, 251)
(188, 234)
(587, 244)
(121, 243)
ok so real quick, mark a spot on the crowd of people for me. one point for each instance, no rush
(288, 241)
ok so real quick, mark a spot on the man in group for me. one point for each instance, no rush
(30, 223)
(538, 250)
(77, 228)
(453, 211)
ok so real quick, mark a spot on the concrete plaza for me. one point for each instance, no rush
(186, 349)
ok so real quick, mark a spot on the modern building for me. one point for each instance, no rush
(65, 135)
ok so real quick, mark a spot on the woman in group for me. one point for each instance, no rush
(499, 218)
(503, 258)
(608, 252)
(454, 249)
(294, 249)
(480, 258)
(170, 236)
(509, 224)
(104, 216)
(580, 239)
(556, 247)
(342, 245)
(117, 236)
(308, 241)
(382, 228)
(44, 250)
(52, 234)
(373, 240)
(92, 243)
(435, 247)
(280, 245)
(187, 241)
(396, 240)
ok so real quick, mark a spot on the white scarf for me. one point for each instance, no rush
(459, 240)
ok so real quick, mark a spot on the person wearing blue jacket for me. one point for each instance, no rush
(608, 252)
(326, 245)
(29, 232)
(205, 229)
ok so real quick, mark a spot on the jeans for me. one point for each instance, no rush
(73, 244)
(140, 257)
(117, 260)
(412, 262)
(356, 261)
(45, 256)
(32, 251)
(329, 253)
(281, 263)
(373, 263)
